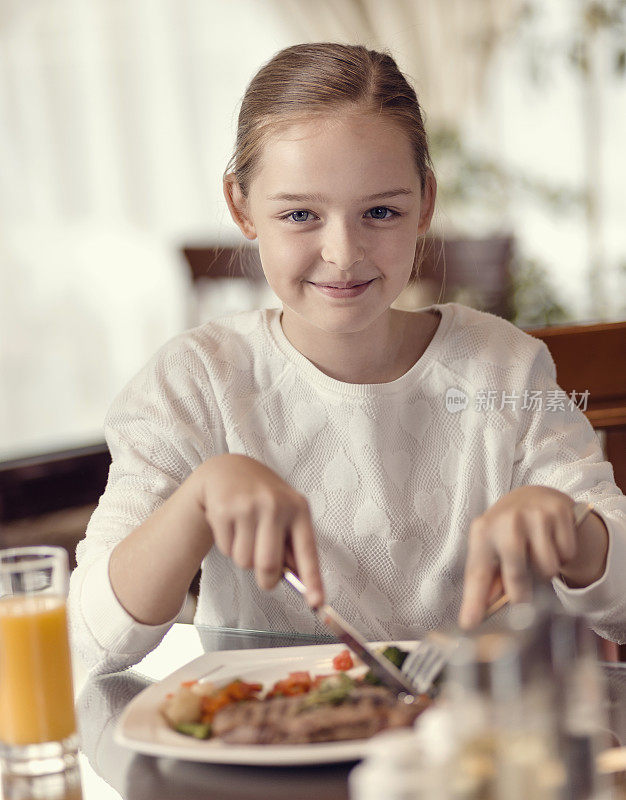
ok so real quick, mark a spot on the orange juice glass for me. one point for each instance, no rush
(37, 721)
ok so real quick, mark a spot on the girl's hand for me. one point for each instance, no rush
(531, 527)
(259, 521)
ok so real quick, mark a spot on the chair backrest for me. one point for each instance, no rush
(481, 267)
(223, 262)
(593, 358)
(41, 484)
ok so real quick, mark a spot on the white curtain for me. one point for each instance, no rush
(444, 46)
(124, 111)
(117, 122)
(108, 112)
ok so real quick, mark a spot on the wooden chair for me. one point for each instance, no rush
(207, 263)
(593, 358)
(476, 271)
(48, 498)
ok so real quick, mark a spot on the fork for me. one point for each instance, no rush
(426, 662)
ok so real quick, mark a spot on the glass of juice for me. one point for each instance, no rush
(37, 721)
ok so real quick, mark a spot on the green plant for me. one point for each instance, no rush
(466, 178)
(534, 297)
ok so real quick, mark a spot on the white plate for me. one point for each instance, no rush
(142, 728)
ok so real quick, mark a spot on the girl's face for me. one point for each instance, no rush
(337, 207)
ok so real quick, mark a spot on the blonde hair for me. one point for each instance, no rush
(309, 80)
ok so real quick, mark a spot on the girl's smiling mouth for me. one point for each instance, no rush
(345, 289)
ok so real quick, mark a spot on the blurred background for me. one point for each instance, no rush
(118, 119)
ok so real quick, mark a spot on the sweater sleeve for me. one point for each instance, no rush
(558, 447)
(159, 429)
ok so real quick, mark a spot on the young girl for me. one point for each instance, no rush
(338, 434)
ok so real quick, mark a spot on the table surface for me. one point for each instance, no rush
(110, 771)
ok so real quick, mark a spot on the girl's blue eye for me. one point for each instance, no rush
(296, 216)
(375, 212)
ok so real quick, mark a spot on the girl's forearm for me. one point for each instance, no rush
(151, 569)
(589, 563)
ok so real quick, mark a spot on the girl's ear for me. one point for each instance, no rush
(238, 206)
(427, 207)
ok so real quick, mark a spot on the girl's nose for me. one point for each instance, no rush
(341, 247)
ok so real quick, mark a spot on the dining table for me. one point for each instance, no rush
(110, 770)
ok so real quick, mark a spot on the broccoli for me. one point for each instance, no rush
(332, 691)
(393, 654)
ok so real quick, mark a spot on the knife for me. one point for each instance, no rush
(388, 674)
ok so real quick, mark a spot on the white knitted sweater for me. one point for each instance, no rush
(394, 473)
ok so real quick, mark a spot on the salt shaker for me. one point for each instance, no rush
(583, 724)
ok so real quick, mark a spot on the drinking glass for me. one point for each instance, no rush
(37, 721)
(64, 785)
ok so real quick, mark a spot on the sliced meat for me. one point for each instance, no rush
(253, 722)
(285, 720)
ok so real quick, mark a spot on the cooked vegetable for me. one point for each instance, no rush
(295, 683)
(393, 654)
(184, 706)
(331, 691)
(343, 661)
(200, 730)
(234, 692)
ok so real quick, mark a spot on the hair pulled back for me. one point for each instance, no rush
(309, 80)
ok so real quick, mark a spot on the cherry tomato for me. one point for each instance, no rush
(343, 661)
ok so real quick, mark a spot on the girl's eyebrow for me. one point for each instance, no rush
(318, 198)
